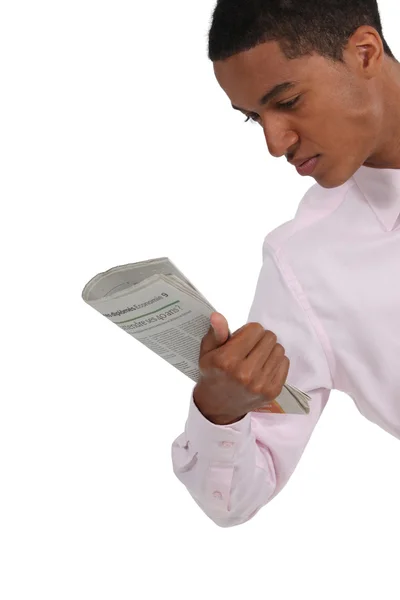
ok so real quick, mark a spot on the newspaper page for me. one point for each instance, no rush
(166, 313)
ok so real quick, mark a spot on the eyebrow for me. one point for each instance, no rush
(275, 91)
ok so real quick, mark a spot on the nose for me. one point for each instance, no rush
(278, 135)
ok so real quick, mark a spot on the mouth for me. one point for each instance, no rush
(308, 167)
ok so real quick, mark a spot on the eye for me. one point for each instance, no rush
(253, 118)
(288, 105)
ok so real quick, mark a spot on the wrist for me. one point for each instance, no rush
(200, 401)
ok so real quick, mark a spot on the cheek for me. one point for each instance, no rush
(339, 124)
(318, 126)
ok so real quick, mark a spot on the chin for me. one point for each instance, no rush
(332, 179)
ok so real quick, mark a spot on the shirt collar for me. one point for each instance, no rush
(381, 189)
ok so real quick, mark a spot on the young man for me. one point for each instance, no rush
(320, 80)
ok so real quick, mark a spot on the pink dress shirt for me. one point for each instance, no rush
(329, 288)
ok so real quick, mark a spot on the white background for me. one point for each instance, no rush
(117, 146)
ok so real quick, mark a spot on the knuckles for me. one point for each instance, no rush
(253, 326)
(225, 360)
(271, 336)
(244, 375)
(279, 349)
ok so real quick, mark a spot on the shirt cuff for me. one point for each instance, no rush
(220, 443)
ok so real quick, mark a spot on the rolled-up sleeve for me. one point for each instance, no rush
(231, 471)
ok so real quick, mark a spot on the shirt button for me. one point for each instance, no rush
(226, 444)
(217, 494)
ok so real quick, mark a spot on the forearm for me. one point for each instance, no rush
(226, 472)
(232, 471)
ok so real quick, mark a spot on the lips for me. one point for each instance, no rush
(303, 163)
(308, 166)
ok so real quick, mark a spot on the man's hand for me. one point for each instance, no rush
(240, 373)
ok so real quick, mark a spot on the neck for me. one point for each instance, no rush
(387, 151)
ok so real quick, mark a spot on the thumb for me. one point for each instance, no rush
(219, 328)
(217, 334)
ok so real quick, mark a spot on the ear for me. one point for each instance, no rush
(366, 49)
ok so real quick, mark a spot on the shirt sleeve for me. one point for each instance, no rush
(231, 471)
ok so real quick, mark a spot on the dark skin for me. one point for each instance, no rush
(349, 114)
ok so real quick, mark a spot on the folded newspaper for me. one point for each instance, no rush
(156, 304)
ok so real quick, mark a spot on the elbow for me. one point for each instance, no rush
(225, 518)
(244, 509)
(233, 506)
(230, 520)
(225, 499)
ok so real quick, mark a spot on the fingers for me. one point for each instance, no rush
(242, 341)
(269, 383)
(267, 350)
(279, 375)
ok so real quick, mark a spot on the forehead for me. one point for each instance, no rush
(246, 76)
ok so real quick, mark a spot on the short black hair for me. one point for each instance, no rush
(300, 27)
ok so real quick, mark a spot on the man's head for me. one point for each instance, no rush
(346, 80)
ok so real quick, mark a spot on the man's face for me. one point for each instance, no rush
(336, 114)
